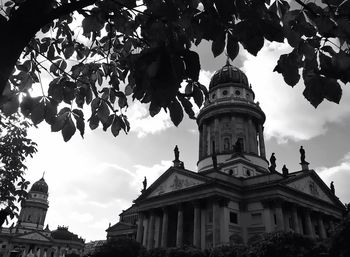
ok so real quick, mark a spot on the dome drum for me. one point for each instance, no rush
(231, 109)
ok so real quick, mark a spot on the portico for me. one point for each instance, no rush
(184, 223)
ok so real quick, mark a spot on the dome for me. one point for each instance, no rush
(62, 233)
(40, 186)
(229, 74)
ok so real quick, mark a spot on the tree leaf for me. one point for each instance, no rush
(93, 122)
(79, 118)
(197, 96)
(187, 105)
(68, 51)
(103, 112)
(250, 36)
(68, 129)
(59, 122)
(38, 113)
(116, 125)
(288, 65)
(176, 112)
(218, 45)
(50, 112)
(10, 106)
(154, 109)
(192, 63)
(91, 24)
(232, 46)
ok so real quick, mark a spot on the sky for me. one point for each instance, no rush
(92, 180)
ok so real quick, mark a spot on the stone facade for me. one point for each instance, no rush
(29, 238)
(234, 195)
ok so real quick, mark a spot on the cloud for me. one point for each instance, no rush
(143, 124)
(289, 115)
(81, 217)
(340, 174)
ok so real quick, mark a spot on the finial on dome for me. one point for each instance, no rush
(227, 60)
(43, 174)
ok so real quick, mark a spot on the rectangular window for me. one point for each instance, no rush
(275, 219)
(233, 218)
(256, 218)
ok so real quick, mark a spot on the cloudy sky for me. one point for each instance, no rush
(92, 180)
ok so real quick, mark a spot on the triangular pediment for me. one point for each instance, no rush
(34, 236)
(312, 186)
(121, 226)
(175, 180)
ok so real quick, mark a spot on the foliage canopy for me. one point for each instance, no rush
(14, 148)
(93, 48)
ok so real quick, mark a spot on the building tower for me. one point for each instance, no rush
(231, 127)
(34, 208)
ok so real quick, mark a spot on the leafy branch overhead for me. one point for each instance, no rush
(107, 53)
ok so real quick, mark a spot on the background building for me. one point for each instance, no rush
(235, 194)
(29, 237)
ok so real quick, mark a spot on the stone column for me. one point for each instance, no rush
(224, 223)
(139, 228)
(295, 219)
(217, 135)
(157, 232)
(164, 240)
(267, 217)
(41, 251)
(321, 229)
(279, 216)
(308, 224)
(261, 141)
(26, 251)
(145, 232)
(150, 237)
(216, 223)
(197, 225)
(49, 251)
(204, 150)
(331, 226)
(179, 230)
(203, 226)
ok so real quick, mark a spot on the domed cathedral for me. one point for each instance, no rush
(29, 237)
(34, 208)
(231, 126)
(236, 194)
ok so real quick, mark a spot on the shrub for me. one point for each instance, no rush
(281, 244)
(228, 251)
(123, 247)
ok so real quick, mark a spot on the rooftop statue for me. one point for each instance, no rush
(144, 184)
(302, 154)
(176, 153)
(332, 188)
(272, 162)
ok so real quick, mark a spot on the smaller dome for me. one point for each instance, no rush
(62, 233)
(40, 186)
(229, 74)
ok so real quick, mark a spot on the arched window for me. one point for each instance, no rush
(226, 144)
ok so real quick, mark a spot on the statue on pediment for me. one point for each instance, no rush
(332, 188)
(272, 162)
(302, 154)
(144, 184)
(176, 153)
